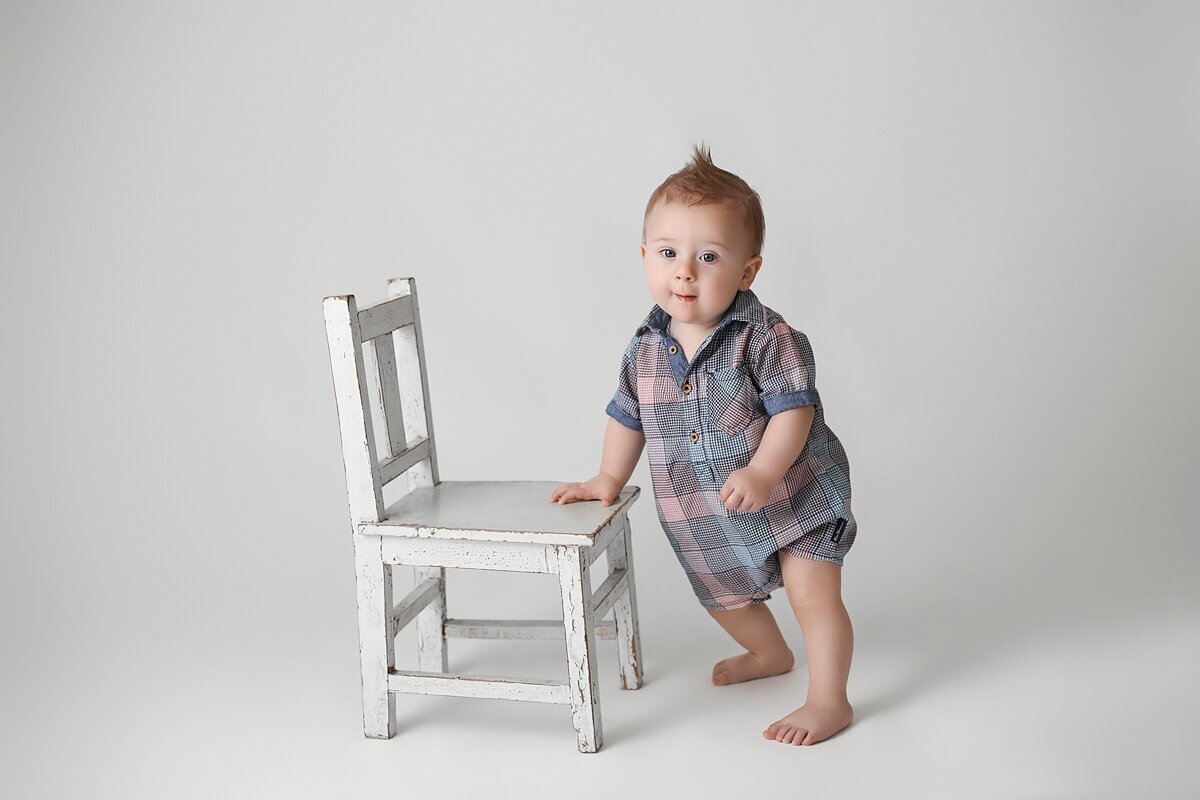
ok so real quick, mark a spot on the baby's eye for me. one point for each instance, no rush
(708, 258)
(667, 252)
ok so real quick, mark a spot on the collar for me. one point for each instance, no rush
(745, 308)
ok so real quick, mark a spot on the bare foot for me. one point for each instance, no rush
(748, 666)
(811, 723)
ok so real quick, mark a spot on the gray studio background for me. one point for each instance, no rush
(983, 216)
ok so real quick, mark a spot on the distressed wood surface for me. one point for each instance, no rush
(500, 511)
(518, 629)
(629, 642)
(385, 317)
(388, 399)
(613, 587)
(495, 687)
(432, 653)
(376, 651)
(503, 556)
(575, 585)
(426, 592)
(403, 461)
(414, 381)
(363, 487)
(604, 538)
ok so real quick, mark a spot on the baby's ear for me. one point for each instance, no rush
(643, 249)
(751, 271)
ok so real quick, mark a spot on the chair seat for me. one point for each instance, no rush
(497, 511)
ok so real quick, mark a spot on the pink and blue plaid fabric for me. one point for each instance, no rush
(703, 420)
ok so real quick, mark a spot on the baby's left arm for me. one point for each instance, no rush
(748, 489)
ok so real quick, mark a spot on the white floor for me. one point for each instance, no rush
(1056, 704)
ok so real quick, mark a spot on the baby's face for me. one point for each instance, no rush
(697, 258)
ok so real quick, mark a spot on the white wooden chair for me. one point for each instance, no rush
(436, 524)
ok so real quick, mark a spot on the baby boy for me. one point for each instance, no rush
(751, 486)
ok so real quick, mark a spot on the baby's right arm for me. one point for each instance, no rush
(622, 448)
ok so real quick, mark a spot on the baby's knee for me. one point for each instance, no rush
(809, 581)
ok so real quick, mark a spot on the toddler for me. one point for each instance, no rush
(750, 484)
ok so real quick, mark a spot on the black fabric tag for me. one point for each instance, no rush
(837, 530)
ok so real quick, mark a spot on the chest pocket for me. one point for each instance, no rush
(732, 400)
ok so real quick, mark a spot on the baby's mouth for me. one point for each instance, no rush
(686, 298)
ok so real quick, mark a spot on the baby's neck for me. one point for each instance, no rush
(689, 336)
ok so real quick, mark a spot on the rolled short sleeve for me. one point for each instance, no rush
(785, 370)
(624, 405)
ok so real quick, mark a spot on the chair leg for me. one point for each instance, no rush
(629, 643)
(376, 647)
(431, 625)
(576, 586)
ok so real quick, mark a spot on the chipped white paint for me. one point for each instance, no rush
(502, 511)
(575, 585)
(432, 654)
(387, 400)
(495, 687)
(376, 642)
(414, 384)
(629, 643)
(508, 525)
(406, 610)
(503, 556)
(612, 588)
(354, 416)
(518, 629)
(403, 461)
(610, 532)
(386, 317)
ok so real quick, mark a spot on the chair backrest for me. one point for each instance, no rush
(400, 396)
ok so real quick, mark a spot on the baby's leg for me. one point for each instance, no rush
(754, 628)
(815, 592)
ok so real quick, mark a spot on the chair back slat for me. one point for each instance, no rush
(388, 400)
(399, 397)
(414, 385)
(385, 317)
(393, 468)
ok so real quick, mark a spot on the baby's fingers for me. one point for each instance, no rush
(563, 492)
(734, 499)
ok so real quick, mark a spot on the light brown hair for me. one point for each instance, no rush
(702, 181)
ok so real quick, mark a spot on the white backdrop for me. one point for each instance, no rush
(983, 216)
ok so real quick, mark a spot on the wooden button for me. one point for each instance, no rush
(687, 387)
(695, 437)
(672, 349)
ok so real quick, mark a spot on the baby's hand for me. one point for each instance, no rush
(601, 487)
(746, 489)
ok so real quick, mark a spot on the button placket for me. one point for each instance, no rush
(676, 360)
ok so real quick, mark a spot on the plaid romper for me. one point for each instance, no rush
(704, 420)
